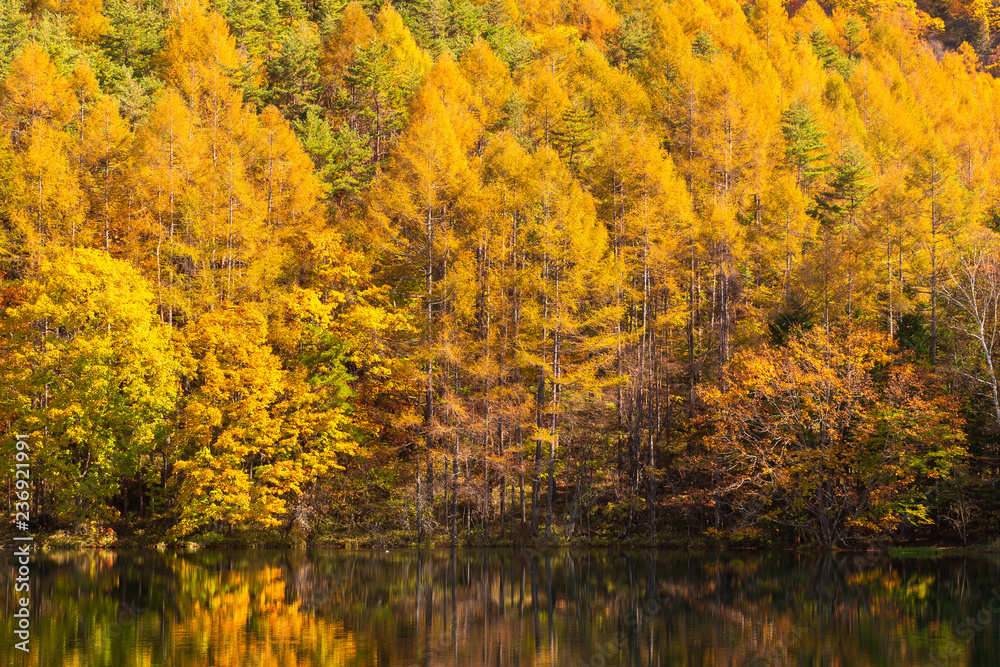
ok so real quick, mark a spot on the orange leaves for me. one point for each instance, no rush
(105, 146)
(827, 439)
(491, 82)
(594, 18)
(285, 184)
(37, 103)
(446, 95)
(34, 90)
(827, 379)
(353, 30)
(88, 18)
(199, 52)
(47, 187)
(227, 193)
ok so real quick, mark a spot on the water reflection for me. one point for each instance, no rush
(501, 607)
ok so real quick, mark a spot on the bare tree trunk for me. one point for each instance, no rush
(535, 491)
(454, 492)
(420, 514)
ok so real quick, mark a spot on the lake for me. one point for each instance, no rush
(504, 607)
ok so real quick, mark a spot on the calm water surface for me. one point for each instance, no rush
(505, 607)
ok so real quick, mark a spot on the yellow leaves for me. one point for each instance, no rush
(288, 181)
(540, 14)
(416, 206)
(47, 187)
(594, 18)
(491, 83)
(44, 193)
(199, 52)
(86, 338)
(213, 490)
(105, 294)
(34, 90)
(264, 430)
(618, 98)
(431, 154)
(759, 372)
(105, 134)
(353, 30)
(226, 418)
(84, 83)
(654, 208)
(394, 34)
(236, 375)
(543, 435)
(88, 18)
(229, 196)
(105, 145)
(545, 101)
(445, 94)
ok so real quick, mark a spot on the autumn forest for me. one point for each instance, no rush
(674, 272)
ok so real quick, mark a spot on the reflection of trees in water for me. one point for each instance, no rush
(499, 607)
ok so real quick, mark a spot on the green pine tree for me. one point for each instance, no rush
(374, 97)
(805, 150)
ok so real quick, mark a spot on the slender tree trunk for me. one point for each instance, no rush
(553, 435)
(692, 370)
(888, 268)
(535, 491)
(826, 280)
(429, 380)
(454, 492)
(420, 495)
(933, 285)
(503, 475)
(520, 461)
(430, 486)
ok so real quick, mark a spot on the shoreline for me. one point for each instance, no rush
(61, 541)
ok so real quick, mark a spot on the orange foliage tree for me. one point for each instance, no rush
(833, 436)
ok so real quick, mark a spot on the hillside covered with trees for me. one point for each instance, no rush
(486, 271)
